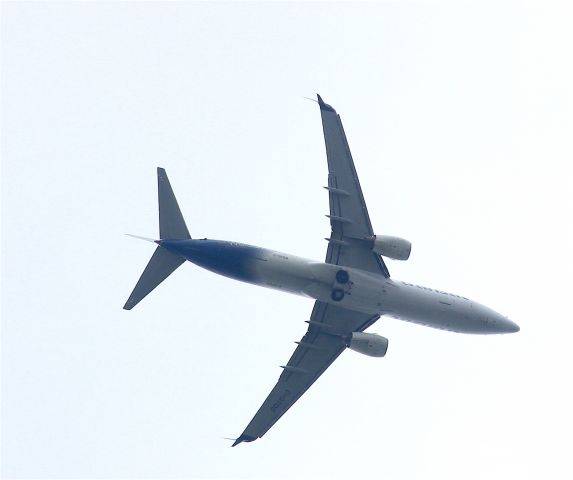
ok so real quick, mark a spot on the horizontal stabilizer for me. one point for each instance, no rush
(171, 223)
(162, 264)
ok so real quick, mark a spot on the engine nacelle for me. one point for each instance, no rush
(368, 344)
(391, 247)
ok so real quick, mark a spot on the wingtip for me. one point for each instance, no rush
(323, 105)
(243, 438)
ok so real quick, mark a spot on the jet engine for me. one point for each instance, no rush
(391, 247)
(369, 344)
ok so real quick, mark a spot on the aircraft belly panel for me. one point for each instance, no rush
(285, 272)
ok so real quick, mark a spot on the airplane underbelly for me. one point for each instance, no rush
(284, 272)
(433, 309)
(318, 280)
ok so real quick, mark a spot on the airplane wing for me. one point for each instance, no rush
(324, 341)
(330, 325)
(351, 228)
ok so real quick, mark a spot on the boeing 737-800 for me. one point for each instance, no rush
(352, 288)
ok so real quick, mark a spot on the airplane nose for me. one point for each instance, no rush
(493, 322)
(505, 325)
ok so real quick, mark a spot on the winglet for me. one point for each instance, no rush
(243, 438)
(324, 106)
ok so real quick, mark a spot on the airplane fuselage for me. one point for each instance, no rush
(356, 290)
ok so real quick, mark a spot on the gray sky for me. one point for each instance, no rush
(459, 117)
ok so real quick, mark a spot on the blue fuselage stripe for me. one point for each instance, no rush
(231, 259)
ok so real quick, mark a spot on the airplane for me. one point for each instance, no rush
(352, 288)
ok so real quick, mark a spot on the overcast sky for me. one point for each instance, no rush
(460, 119)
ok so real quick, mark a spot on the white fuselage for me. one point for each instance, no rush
(364, 291)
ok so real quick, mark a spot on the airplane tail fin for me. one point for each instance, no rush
(163, 262)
